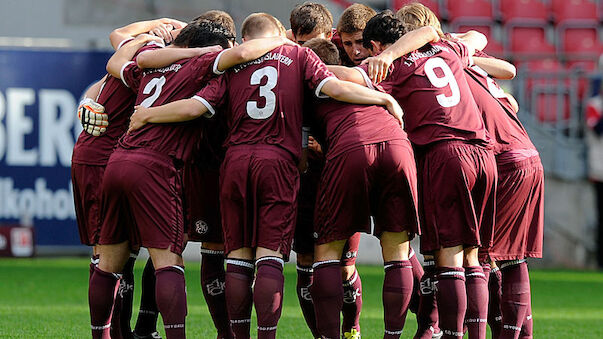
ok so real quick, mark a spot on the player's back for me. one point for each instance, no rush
(430, 86)
(263, 98)
(159, 86)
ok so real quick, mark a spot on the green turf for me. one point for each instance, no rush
(47, 298)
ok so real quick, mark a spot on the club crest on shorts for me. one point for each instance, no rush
(201, 227)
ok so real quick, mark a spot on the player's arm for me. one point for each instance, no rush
(167, 56)
(175, 111)
(90, 113)
(126, 53)
(249, 50)
(496, 68)
(159, 27)
(356, 94)
(379, 65)
(513, 102)
(474, 40)
(347, 74)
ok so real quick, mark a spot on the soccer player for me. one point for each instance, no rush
(312, 20)
(349, 33)
(259, 176)
(456, 166)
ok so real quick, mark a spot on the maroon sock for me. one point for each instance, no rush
(515, 299)
(268, 295)
(327, 294)
(239, 297)
(494, 312)
(452, 300)
(476, 316)
(213, 282)
(304, 281)
(147, 315)
(427, 314)
(101, 294)
(122, 309)
(417, 274)
(93, 264)
(526, 329)
(170, 293)
(397, 291)
(352, 303)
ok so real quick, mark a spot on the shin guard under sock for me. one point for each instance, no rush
(397, 292)
(170, 293)
(213, 282)
(352, 303)
(427, 315)
(239, 297)
(147, 315)
(304, 281)
(327, 294)
(101, 294)
(268, 295)
(515, 297)
(476, 316)
(451, 297)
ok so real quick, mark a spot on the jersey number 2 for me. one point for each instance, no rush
(157, 84)
(265, 112)
(441, 82)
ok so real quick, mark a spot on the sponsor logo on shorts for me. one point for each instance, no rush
(215, 287)
(201, 227)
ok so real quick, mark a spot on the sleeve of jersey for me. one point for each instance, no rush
(205, 66)
(461, 50)
(363, 69)
(316, 73)
(213, 95)
(130, 75)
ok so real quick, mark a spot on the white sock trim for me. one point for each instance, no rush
(453, 273)
(240, 321)
(411, 254)
(393, 332)
(316, 264)
(429, 263)
(94, 261)
(511, 263)
(240, 263)
(476, 274)
(100, 328)
(179, 268)
(266, 328)
(210, 252)
(304, 269)
(277, 259)
(170, 326)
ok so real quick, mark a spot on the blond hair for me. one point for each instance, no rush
(416, 15)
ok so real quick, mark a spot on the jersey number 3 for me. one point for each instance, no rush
(266, 92)
(441, 82)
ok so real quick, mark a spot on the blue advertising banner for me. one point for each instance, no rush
(39, 94)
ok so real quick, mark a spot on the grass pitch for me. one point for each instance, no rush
(47, 298)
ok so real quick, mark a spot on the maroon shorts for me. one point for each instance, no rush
(378, 180)
(519, 211)
(258, 196)
(87, 195)
(303, 242)
(202, 204)
(457, 188)
(142, 201)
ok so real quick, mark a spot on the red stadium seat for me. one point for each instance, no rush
(585, 66)
(434, 5)
(546, 99)
(530, 9)
(580, 40)
(494, 47)
(574, 9)
(469, 8)
(530, 40)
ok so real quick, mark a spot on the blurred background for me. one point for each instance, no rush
(52, 50)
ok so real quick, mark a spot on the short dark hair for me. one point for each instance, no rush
(257, 23)
(325, 49)
(311, 17)
(384, 28)
(202, 34)
(354, 18)
(221, 18)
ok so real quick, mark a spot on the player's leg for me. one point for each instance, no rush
(170, 290)
(304, 281)
(122, 310)
(451, 295)
(398, 281)
(213, 282)
(103, 285)
(268, 291)
(352, 287)
(427, 314)
(146, 324)
(240, 269)
(417, 274)
(477, 295)
(515, 300)
(327, 289)
(495, 293)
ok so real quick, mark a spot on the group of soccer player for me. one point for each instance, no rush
(260, 148)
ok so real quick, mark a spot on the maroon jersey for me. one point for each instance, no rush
(159, 86)
(263, 98)
(430, 86)
(348, 126)
(502, 123)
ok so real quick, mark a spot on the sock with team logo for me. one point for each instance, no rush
(327, 294)
(397, 291)
(477, 302)
(170, 293)
(101, 294)
(304, 281)
(147, 315)
(451, 297)
(213, 282)
(494, 294)
(268, 295)
(239, 297)
(427, 314)
(93, 263)
(122, 308)
(417, 274)
(515, 299)
(352, 303)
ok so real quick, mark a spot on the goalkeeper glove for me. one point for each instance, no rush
(93, 117)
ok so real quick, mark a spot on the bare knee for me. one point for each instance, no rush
(470, 257)
(163, 257)
(329, 251)
(450, 256)
(244, 253)
(214, 246)
(112, 258)
(394, 246)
